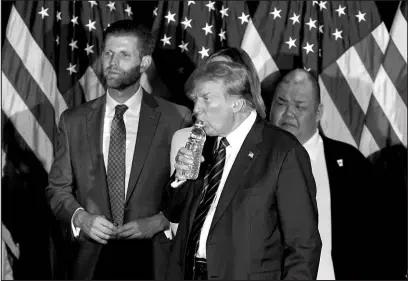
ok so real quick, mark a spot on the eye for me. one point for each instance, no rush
(107, 53)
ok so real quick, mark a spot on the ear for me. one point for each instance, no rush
(238, 105)
(319, 114)
(145, 63)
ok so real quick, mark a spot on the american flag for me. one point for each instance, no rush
(344, 44)
(49, 63)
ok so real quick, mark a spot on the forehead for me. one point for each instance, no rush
(295, 91)
(124, 41)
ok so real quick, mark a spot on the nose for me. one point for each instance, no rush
(113, 60)
(197, 109)
(290, 111)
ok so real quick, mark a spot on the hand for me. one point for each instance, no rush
(184, 160)
(96, 227)
(143, 228)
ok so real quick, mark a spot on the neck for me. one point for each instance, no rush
(238, 119)
(123, 95)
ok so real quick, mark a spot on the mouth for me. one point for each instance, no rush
(287, 124)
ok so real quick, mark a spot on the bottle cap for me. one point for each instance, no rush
(199, 123)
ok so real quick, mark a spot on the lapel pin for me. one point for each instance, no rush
(251, 154)
(340, 162)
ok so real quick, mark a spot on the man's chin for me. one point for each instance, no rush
(290, 128)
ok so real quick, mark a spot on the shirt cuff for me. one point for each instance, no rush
(176, 183)
(75, 230)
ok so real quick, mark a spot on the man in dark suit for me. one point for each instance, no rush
(345, 190)
(251, 213)
(111, 165)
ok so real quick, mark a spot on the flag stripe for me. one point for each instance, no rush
(396, 69)
(35, 61)
(332, 122)
(357, 77)
(27, 89)
(368, 145)
(90, 84)
(370, 56)
(399, 31)
(346, 102)
(26, 124)
(390, 101)
(377, 122)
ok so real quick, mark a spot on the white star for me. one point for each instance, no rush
(276, 13)
(207, 29)
(315, 2)
(111, 6)
(340, 10)
(322, 5)
(186, 22)
(58, 16)
(190, 2)
(204, 52)
(74, 20)
(295, 18)
(291, 43)
(73, 44)
(361, 16)
(170, 17)
(244, 18)
(222, 35)
(165, 40)
(307, 69)
(311, 23)
(128, 10)
(91, 25)
(337, 34)
(71, 69)
(57, 40)
(321, 28)
(224, 12)
(308, 48)
(43, 12)
(93, 3)
(88, 49)
(183, 46)
(210, 6)
(155, 11)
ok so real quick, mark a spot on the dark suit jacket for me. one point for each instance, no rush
(265, 223)
(78, 176)
(354, 207)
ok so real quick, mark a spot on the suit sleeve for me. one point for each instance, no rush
(59, 191)
(174, 199)
(298, 217)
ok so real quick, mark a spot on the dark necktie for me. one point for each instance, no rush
(211, 182)
(116, 165)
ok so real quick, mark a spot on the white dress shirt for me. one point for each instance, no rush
(235, 139)
(315, 149)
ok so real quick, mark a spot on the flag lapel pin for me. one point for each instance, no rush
(340, 162)
(251, 154)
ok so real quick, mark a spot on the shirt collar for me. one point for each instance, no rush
(312, 145)
(237, 137)
(133, 103)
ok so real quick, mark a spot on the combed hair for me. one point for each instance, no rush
(233, 75)
(130, 27)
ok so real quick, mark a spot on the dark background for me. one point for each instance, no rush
(21, 192)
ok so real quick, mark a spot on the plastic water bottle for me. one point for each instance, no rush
(195, 143)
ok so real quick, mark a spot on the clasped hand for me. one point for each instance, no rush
(100, 229)
(184, 160)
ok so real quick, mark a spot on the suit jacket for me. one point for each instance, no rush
(78, 176)
(265, 223)
(354, 203)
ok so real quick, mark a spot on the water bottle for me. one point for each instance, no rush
(195, 143)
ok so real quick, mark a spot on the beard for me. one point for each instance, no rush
(123, 79)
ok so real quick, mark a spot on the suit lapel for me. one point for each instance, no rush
(246, 157)
(94, 128)
(148, 120)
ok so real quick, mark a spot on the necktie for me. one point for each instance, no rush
(116, 165)
(211, 182)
